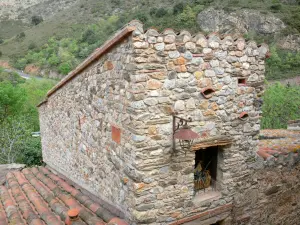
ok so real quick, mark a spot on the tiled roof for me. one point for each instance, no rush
(36, 196)
(280, 141)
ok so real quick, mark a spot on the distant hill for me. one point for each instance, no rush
(56, 35)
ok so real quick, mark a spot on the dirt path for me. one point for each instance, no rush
(292, 81)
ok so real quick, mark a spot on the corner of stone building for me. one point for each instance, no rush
(171, 71)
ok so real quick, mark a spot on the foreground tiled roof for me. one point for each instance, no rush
(275, 142)
(36, 196)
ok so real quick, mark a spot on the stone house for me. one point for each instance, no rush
(108, 126)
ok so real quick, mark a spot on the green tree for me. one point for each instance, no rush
(11, 77)
(281, 104)
(13, 136)
(178, 8)
(31, 152)
(32, 46)
(64, 68)
(53, 60)
(12, 100)
(35, 91)
(89, 36)
(20, 63)
(161, 12)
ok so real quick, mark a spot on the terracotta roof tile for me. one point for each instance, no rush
(36, 196)
(278, 141)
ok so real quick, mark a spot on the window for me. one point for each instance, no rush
(241, 81)
(205, 173)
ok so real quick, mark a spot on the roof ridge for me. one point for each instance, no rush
(94, 56)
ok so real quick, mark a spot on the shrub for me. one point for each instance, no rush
(178, 8)
(53, 60)
(64, 68)
(161, 12)
(20, 63)
(142, 17)
(89, 36)
(153, 11)
(115, 2)
(12, 77)
(187, 18)
(276, 7)
(32, 152)
(281, 104)
(0, 53)
(35, 20)
(282, 64)
(1, 41)
(32, 46)
(21, 35)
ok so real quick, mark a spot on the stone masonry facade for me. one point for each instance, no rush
(270, 193)
(108, 125)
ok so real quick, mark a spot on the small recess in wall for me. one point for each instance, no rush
(241, 81)
(116, 134)
(207, 92)
(244, 116)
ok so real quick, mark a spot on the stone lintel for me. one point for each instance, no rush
(214, 141)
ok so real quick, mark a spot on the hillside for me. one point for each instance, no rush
(57, 35)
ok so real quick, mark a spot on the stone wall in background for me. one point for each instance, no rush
(271, 192)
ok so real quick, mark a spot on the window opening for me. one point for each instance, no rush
(241, 81)
(205, 173)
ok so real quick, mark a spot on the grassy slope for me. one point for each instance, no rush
(66, 23)
(10, 28)
(73, 21)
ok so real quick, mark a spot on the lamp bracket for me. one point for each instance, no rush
(178, 122)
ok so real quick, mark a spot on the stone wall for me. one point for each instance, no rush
(110, 128)
(271, 193)
(76, 127)
(171, 72)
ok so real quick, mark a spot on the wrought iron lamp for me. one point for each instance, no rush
(183, 133)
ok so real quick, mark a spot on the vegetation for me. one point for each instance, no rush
(281, 104)
(70, 44)
(282, 64)
(19, 117)
(35, 20)
(64, 54)
(62, 43)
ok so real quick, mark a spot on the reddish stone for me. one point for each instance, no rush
(180, 61)
(108, 65)
(214, 106)
(116, 134)
(158, 75)
(153, 84)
